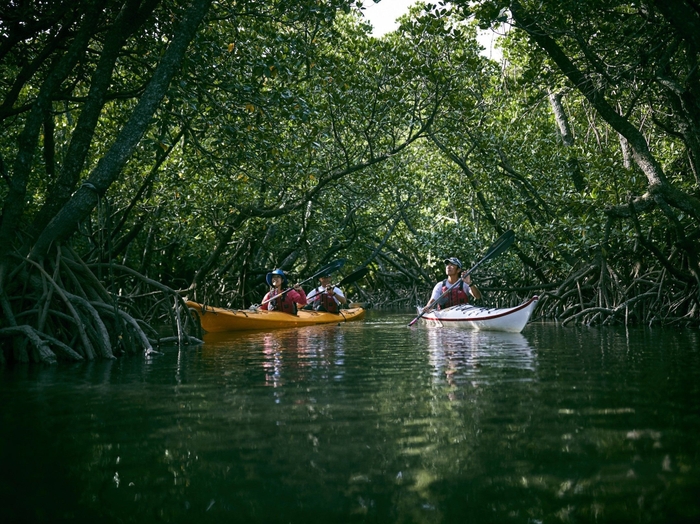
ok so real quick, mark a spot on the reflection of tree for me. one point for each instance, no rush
(459, 411)
(359, 428)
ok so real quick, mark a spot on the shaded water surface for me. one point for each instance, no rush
(363, 422)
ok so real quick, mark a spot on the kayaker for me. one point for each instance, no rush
(325, 297)
(461, 293)
(280, 297)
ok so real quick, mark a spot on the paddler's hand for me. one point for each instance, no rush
(254, 307)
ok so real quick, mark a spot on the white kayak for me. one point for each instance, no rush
(509, 319)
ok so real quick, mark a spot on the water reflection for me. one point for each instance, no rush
(287, 354)
(480, 357)
(365, 422)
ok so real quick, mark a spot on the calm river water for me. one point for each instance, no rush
(370, 421)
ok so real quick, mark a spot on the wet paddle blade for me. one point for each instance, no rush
(354, 276)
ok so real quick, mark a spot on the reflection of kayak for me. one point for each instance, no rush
(474, 352)
(216, 320)
(511, 319)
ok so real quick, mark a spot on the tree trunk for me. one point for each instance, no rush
(83, 201)
(16, 199)
(129, 19)
(643, 157)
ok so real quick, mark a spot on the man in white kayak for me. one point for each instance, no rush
(459, 294)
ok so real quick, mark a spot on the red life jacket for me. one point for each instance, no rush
(455, 297)
(283, 303)
(325, 302)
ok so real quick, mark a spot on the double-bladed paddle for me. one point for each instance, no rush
(333, 266)
(499, 246)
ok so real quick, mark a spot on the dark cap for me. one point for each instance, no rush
(454, 261)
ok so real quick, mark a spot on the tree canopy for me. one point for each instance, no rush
(159, 149)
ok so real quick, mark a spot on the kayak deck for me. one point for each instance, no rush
(511, 319)
(217, 320)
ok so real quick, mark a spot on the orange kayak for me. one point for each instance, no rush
(217, 320)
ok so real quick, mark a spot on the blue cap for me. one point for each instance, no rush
(278, 272)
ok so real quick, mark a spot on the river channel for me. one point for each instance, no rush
(369, 421)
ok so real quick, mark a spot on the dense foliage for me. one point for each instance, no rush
(627, 73)
(160, 149)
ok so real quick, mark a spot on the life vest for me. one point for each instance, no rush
(455, 297)
(324, 302)
(283, 303)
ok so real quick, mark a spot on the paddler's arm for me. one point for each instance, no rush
(337, 294)
(437, 291)
(475, 291)
(300, 297)
(265, 301)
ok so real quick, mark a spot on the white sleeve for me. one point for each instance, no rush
(437, 291)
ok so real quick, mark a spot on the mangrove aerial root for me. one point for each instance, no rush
(59, 309)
